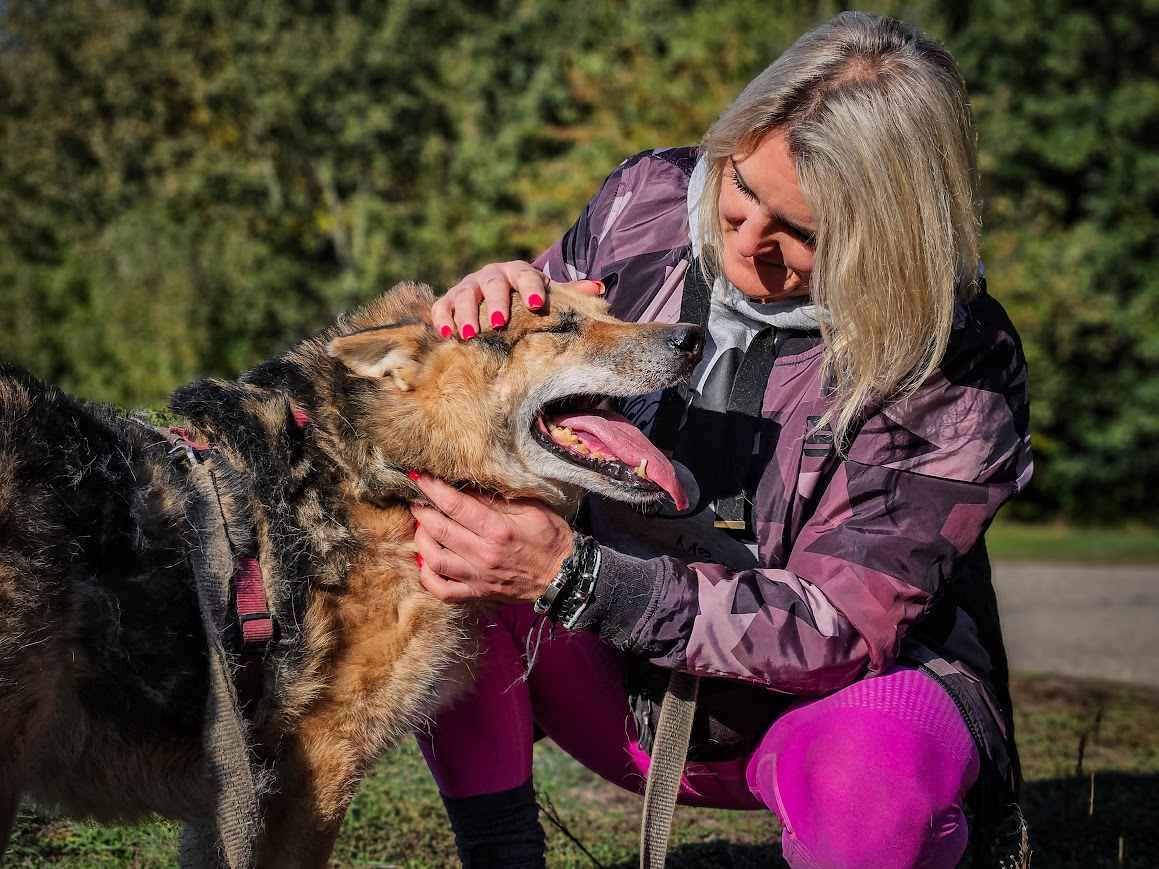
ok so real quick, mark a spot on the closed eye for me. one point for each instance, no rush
(567, 324)
(809, 239)
(744, 189)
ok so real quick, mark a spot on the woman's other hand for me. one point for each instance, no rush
(475, 547)
(458, 309)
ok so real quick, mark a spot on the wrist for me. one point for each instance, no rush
(579, 594)
(572, 589)
(551, 596)
(624, 593)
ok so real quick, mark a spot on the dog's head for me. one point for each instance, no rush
(522, 411)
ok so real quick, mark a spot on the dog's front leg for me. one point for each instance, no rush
(315, 782)
(297, 836)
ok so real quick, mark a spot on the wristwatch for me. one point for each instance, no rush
(578, 596)
(571, 590)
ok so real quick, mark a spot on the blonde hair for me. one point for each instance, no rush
(879, 127)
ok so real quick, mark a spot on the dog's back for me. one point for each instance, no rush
(100, 648)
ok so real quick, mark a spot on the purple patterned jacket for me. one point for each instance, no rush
(862, 560)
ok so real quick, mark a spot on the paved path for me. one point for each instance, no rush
(1086, 620)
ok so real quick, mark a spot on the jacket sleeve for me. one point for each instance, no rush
(633, 234)
(914, 494)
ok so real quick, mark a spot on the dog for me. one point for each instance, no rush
(103, 654)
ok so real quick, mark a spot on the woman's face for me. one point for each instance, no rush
(767, 227)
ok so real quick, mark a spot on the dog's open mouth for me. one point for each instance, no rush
(605, 442)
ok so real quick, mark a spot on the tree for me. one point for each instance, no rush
(188, 186)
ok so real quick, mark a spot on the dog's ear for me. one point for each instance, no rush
(389, 352)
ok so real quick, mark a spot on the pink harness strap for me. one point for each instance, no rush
(251, 605)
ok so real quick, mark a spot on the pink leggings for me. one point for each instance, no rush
(872, 775)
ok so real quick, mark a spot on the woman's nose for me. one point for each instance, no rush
(750, 240)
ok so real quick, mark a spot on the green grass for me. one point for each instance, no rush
(397, 819)
(1055, 542)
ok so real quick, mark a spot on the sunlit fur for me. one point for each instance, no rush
(479, 383)
(880, 129)
(102, 658)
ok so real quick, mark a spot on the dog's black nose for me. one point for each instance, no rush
(686, 338)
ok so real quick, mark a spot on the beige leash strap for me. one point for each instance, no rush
(669, 751)
(225, 736)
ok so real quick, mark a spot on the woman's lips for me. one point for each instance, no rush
(764, 264)
(768, 261)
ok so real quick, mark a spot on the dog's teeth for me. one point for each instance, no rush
(642, 469)
(563, 435)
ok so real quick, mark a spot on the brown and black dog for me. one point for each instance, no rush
(103, 673)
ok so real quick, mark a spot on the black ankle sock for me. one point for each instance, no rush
(498, 830)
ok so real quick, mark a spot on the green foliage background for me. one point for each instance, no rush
(186, 187)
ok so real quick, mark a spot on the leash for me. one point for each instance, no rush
(228, 584)
(669, 751)
(547, 807)
(251, 606)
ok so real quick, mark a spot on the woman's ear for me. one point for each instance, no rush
(390, 352)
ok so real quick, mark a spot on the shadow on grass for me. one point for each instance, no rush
(1066, 833)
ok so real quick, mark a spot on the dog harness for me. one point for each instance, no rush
(250, 604)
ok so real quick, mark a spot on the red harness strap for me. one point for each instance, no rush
(251, 605)
(253, 609)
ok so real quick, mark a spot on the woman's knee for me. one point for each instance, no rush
(860, 788)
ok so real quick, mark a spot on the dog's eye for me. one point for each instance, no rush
(567, 324)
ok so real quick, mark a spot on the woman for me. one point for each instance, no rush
(859, 415)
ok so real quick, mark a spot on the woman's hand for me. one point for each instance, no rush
(477, 547)
(457, 310)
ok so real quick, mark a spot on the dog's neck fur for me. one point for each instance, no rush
(253, 419)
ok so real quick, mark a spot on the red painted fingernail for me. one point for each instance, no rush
(497, 319)
(600, 284)
(468, 331)
(446, 331)
(418, 559)
(535, 301)
(414, 475)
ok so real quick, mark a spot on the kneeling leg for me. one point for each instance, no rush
(872, 776)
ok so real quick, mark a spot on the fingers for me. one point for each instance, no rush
(531, 284)
(466, 293)
(444, 573)
(441, 572)
(445, 562)
(588, 288)
(457, 312)
(447, 534)
(465, 311)
(471, 512)
(446, 590)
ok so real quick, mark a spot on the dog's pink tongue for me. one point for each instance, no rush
(628, 444)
